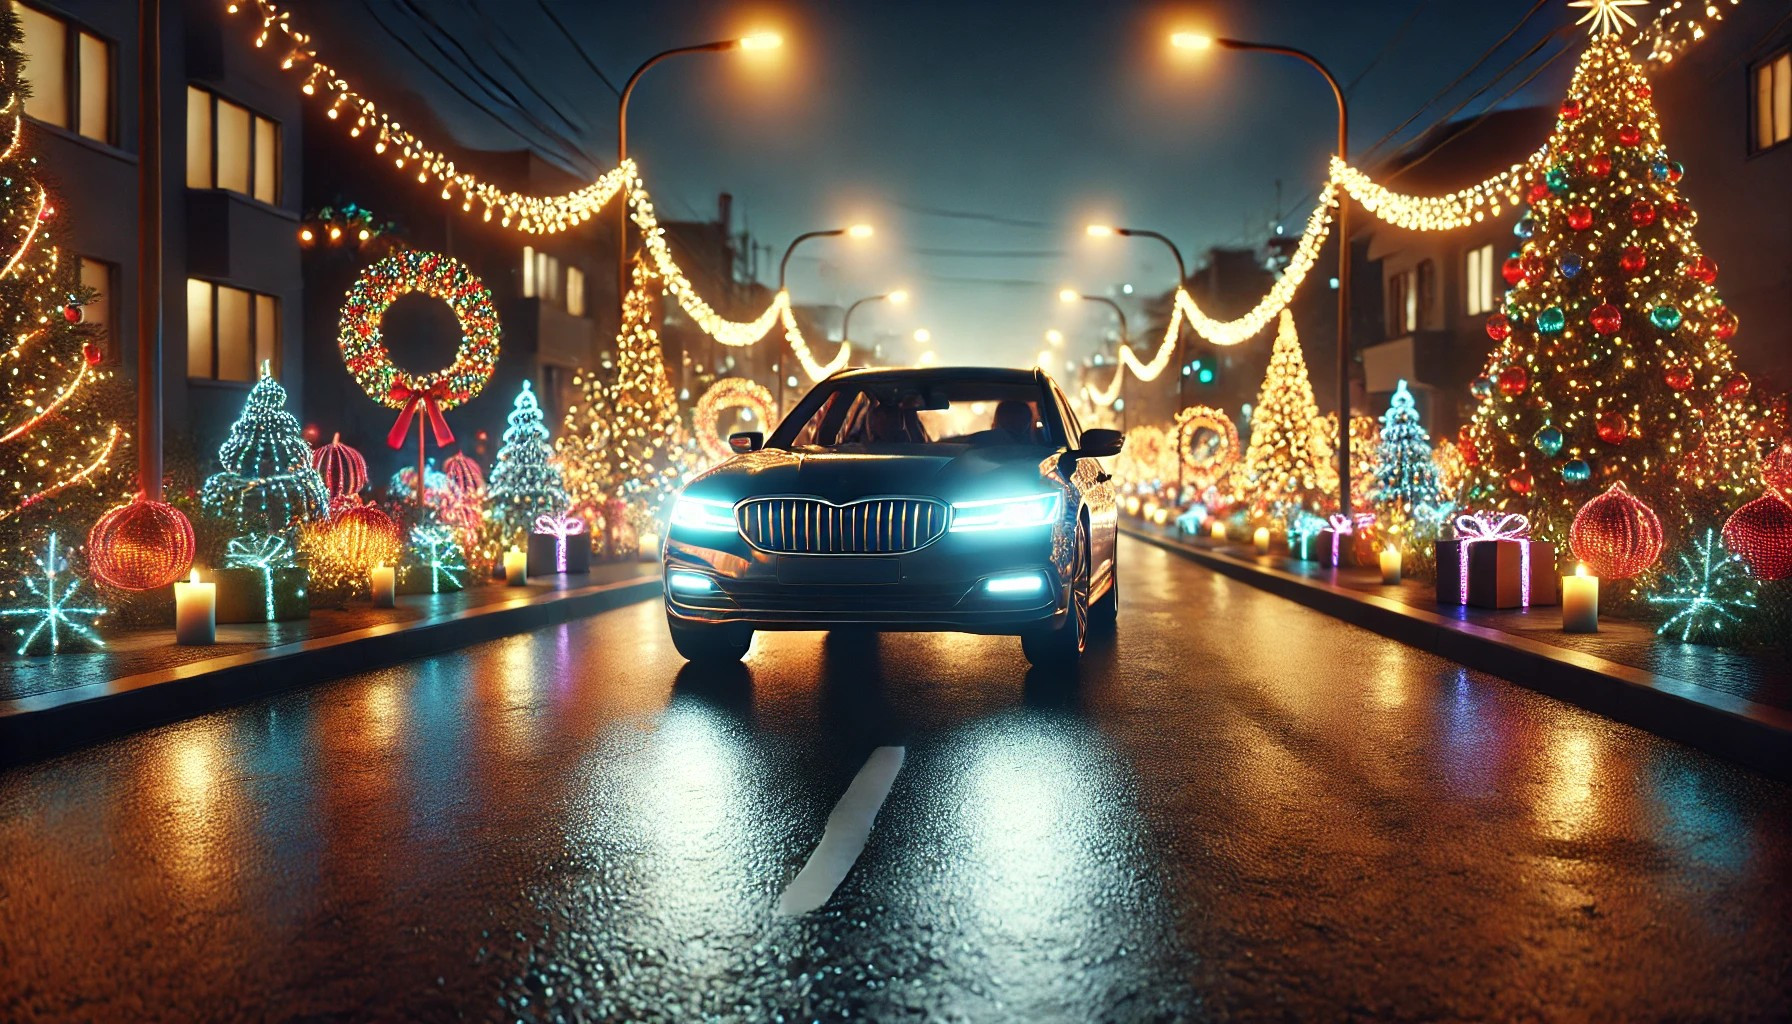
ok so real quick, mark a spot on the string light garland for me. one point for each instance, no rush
(1706, 593)
(728, 394)
(268, 483)
(53, 619)
(350, 225)
(1459, 209)
(140, 545)
(1670, 34)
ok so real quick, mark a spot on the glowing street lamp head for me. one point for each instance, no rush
(1191, 41)
(1100, 230)
(1068, 295)
(923, 335)
(859, 231)
(898, 297)
(1054, 337)
(762, 41)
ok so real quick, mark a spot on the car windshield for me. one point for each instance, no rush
(883, 413)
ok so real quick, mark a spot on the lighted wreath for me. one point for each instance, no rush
(1207, 442)
(363, 351)
(729, 393)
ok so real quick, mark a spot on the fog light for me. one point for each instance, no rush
(1015, 585)
(690, 582)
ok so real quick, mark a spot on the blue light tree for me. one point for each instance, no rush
(1406, 476)
(525, 482)
(268, 485)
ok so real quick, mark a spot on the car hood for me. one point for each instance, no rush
(947, 472)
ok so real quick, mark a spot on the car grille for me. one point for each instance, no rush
(810, 526)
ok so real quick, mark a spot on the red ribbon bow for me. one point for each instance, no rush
(431, 400)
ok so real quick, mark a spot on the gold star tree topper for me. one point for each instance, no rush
(1608, 16)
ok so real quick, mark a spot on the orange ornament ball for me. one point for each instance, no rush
(141, 545)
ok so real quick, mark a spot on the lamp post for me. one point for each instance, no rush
(1195, 41)
(856, 231)
(758, 41)
(1069, 295)
(895, 298)
(1104, 231)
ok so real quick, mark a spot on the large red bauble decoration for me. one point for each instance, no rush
(1612, 427)
(1499, 327)
(1580, 218)
(1760, 533)
(1513, 271)
(343, 469)
(1629, 135)
(1616, 535)
(464, 475)
(1702, 269)
(140, 545)
(1776, 468)
(1633, 260)
(1724, 324)
(1642, 213)
(1606, 318)
(1513, 380)
(1678, 376)
(1539, 192)
(1521, 482)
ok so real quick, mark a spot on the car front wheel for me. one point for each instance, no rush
(707, 644)
(1062, 648)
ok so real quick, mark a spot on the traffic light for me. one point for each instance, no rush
(1204, 371)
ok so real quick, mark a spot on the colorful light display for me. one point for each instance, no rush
(1207, 443)
(341, 551)
(525, 481)
(1616, 535)
(52, 619)
(1284, 464)
(1706, 594)
(140, 545)
(727, 394)
(342, 467)
(264, 553)
(1760, 533)
(435, 548)
(267, 484)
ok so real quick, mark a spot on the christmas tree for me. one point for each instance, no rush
(1406, 489)
(1612, 364)
(63, 458)
(525, 482)
(1284, 465)
(268, 484)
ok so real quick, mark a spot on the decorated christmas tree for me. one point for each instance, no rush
(1406, 488)
(63, 456)
(1284, 465)
(1612, 364)
(268, 484)
(525, 482)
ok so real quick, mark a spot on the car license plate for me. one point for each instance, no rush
(838, 569)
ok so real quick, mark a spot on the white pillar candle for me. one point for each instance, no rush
(195, 612)
(385, 586)
(1261, 539)
(1217, 531)
(1580, 602)
(1390, 565)
(516, 567)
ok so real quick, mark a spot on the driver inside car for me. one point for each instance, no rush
(1014, 418)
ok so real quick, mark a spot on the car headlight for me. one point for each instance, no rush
(703, 514)
(1006, 513)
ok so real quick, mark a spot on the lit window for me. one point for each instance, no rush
(230, 332)
(1477, 280)
(70, 74)
(575, 291)
(1773, 101)
(231, 147)
(528, 271)
(1403, 303)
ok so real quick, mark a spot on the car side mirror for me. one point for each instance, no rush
(1100, 443)
(746, 441)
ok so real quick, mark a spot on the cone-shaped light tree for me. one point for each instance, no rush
(63, 457)
(1406, 488)
(1612, 363)
(1284, 465)
(525, 482)
(268, 484)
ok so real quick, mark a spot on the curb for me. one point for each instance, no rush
(49, 723)
(1757, 736)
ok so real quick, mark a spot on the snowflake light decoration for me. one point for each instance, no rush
(53, 613)
(438, 551)
(1708, 591)
(1608, 16)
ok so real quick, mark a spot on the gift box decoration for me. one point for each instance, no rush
(1494, 563)
(1335, 545)
(559, 544)
(262, 595)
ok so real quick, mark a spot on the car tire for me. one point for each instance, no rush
(1104, 615)
(710, 645)
(1061, 648)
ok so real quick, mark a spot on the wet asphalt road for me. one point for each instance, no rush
(1245, 811)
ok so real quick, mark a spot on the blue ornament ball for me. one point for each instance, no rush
(1557, 178)
(1552, 320)
(1548, 441)
(1576, 471)
(1525, 227)
(1482, 387)
(1571, 265)
(1660, 170)
(1665, 317)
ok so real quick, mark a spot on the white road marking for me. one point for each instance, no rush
(844, 838)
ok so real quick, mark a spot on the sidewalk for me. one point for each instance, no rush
(141, 678)
(1736, 704)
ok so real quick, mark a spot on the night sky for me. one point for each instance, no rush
(978, 137)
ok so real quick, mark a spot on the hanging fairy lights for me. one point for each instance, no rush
(1669, 35)
(1458, 209)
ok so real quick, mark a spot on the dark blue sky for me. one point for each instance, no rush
(1031, 117)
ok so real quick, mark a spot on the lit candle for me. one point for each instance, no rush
(1580, 602)
(195, 612)
(516, 567)
(1390, 565)
(1261, 539)
(385, 586)
(1218, 530)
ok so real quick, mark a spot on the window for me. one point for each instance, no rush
(1773, 101)
(230, 332)
(541, 280)
(1403, 303)
(70, 74)
(101, 310)
(1477, 280)
(231, 147)
(575, 291)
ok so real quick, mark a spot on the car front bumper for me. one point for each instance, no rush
(941, 587)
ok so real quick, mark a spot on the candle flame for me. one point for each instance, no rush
(195, 577)
(1581, 569)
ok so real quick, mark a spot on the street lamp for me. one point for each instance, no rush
(923, 335)
(855, 231)
(1198, 41)
(1109, 231)
(1069, 295)
(756, 41)
(895, 298)
(1054, 337)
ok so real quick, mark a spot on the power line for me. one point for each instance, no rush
(1393, 40)
(573, 41)
(1489, 110)
(579, 131)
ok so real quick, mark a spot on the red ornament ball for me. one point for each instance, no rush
(1521, 482)
(1760, 533)
(92, 353)
(1724, 324)
(1499, 327)
(343, 469)
(1606, 318)
(1580, 218)
(464, 475)
(1678, 376)
(1539, 192)
(1513, 380)
(141, 545)
(1642, 213)
(1641, 91)
(72, 313)
(1702, 269)
(1571, 110)
(1612, 427)
(1629, 135)
(1513, 271)
(1679, 211)
(1616, 535)
(1776, 468)
(1600, 166)
(1633, 260)
(1737, 386)
(1533, 266)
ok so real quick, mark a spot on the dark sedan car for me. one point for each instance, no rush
(938, 499)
